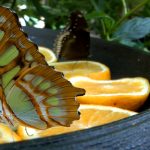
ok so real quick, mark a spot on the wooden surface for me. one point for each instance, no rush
(127, 134)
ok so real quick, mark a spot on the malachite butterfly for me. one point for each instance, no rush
(74, 42)
(31, 92)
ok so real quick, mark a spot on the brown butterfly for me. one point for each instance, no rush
(74, 42)
(31, 92)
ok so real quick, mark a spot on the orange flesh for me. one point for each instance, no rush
(109, 88)
(127, 93)
(91, 115)
(89, 69)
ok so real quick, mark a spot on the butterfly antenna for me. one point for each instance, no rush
(28, 132)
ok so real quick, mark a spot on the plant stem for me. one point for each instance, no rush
(13, 4)
(103, 28)
(125, 7)
(94, 5)
(130, 13)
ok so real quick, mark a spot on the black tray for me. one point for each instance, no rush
(127, 134)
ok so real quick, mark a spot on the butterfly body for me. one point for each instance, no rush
(31, 92)
(74, 42)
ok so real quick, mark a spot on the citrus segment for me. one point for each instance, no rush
(7, 135)
(91, 69)
(48, 54)
(94, 115)
(91, 115)
(127, 93)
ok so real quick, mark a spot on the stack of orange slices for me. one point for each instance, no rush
(91, 115)
(105, 100)
(103, 96)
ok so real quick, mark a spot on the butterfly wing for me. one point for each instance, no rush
(16, 50)
(41, 98)
(74, 42)
(31, 91)
(15, 47)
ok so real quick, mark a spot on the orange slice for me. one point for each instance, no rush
(48, 54)
(91, 115)
(7, 135)
(127, 93)
(91, 69)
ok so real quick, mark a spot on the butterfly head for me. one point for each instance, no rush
(77, 21)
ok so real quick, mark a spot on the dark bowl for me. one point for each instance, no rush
(129, 133)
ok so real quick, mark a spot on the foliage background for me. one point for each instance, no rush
(111, 20)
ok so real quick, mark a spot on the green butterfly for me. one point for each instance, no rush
(31, 92)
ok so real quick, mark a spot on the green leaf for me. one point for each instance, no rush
(133, 29)
(135, 44)
(109, 22)
(128, 42)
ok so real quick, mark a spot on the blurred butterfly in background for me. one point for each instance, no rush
(31, 92)
(74, 42)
